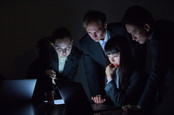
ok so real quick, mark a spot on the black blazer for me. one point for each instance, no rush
(162, 48)
(48, 59)
(94, 59)
(129, 95)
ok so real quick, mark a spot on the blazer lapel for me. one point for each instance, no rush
(97, 53)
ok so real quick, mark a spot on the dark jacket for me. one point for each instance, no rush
(162, 48)
(94, 58)
(130, 94)
(48, 59)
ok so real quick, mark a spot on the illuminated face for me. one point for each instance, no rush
(95, 31)
(114, 58)
(63, 47)
(140, 35)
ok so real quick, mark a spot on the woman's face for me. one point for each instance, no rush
(63, 47)
(114, 58)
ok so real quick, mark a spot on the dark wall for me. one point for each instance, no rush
(24, 22)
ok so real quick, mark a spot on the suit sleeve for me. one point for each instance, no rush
(94, 74)
(159, 69)
(127, 96)
(75, 58)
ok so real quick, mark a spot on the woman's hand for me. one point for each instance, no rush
(98, 99)
(110, 69)
(51, 73)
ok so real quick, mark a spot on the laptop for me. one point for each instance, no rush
(16, 91)
(75, 97)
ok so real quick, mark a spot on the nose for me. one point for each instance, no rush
(112, 60)
(64, 50)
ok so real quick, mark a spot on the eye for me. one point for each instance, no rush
(58, 48)
(69, 47)
(115, 56)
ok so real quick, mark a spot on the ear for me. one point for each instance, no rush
(147, 27)
(105, 25)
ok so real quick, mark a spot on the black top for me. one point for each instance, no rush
(162, 48)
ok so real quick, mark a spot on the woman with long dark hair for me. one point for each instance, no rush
(123, 82)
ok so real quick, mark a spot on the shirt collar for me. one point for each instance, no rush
(107, 36)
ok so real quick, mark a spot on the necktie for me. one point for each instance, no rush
(103, 45)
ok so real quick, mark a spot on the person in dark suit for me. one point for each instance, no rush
(159, 33)
(124, 84)
(92, 45)
(58, 60)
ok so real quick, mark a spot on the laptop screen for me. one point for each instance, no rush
(17, 90)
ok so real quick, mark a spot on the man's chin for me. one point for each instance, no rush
(96, 40)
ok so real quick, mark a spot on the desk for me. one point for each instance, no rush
(30, 109)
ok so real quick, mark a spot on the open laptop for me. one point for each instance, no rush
(16, 91)
(75, 97)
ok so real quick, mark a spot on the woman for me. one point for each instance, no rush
(123, 82)
(58, 60)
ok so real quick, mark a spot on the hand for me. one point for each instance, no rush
(131, 108)
(51, 73)
(110, 69)
(98, 99)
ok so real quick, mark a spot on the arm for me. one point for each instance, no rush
(110, 69)
(95, 76)
(159, 69)
(121, 97)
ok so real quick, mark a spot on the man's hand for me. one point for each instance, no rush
(98, 99)
(131, 108)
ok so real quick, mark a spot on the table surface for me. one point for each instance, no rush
(46, 109)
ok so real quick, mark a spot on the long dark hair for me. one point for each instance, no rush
(120, 44)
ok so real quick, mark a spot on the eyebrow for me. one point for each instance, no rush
(67, 45)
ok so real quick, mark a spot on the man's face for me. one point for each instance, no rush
(95, 31)
(63, 47)
(140, 35)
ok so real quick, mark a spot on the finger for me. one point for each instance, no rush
(92, 98)
(53, 72)
(126, 107)
(96, 99)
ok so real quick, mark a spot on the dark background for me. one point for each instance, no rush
(24, 22)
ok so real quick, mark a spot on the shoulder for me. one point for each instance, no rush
(86, 42)
(76, 52)
(84, 39)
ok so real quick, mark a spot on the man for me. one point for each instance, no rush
(92, 45)
(141, 25)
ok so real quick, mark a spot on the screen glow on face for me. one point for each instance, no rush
(63, 47)
(114, 58)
